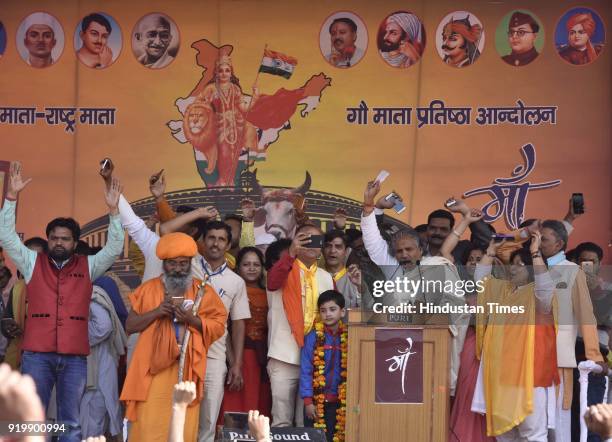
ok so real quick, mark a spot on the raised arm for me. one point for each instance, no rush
(247, 232)
(485, 266)
(23, 258)
(469, 216)
(278, 274)
(179, 223)
(104, 259)
(375, 244)
(544, 285)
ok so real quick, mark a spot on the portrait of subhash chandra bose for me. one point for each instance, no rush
(155, 41)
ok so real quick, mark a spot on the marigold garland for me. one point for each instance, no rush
(318, 380)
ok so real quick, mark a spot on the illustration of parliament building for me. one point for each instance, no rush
(320, 208)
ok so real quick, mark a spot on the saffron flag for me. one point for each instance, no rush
(276, 63)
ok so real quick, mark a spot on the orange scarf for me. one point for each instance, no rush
(300, 317)
(157, 348)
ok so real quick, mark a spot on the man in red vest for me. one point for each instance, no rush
(59, 287)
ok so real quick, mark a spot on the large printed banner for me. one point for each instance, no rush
(505, 105)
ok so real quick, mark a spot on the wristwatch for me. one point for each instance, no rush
(536, 255)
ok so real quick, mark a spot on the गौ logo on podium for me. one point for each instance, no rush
(399, 362)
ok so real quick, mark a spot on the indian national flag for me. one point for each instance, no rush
(276, 63)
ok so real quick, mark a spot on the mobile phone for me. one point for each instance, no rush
(451, 203)
(316, 242)
(105, 164)
(232, 419)
(578, 203)
(398, 206)
(587, 266)
(499, 237)
(156, 177)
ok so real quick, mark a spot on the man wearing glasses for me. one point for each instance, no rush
(154, 33)
(522, 33)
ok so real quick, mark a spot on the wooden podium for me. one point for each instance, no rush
(368, 421)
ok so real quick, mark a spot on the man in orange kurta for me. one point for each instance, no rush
(165, 310)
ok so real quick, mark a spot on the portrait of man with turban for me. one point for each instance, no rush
(460, 40)
(580, 29)
(401, 39)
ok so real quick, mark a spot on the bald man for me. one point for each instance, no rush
(155, 35)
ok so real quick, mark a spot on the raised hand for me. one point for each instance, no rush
(370, 192)
(494, 246)
(340, 218)
(157, 184)
(474, 215)
(300, 240)
(259, 426)
(459, 207)
(106, 170)
(248, 209)
(536, 242)
(184, 393)
(208, 212)
(571, 216)
(383, 203)
(112, 194)
(354, 275)
(18, 398)
(16, 183)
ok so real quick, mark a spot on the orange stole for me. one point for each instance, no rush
(157, 349)
(292, 302)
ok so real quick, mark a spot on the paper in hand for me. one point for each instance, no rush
(382, 175)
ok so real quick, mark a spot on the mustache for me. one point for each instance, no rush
(446, 47)
(338, 40)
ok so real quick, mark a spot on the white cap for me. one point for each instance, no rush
(40, 18)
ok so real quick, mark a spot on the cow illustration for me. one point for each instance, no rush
(280, 209)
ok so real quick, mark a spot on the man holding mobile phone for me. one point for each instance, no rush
(294, 284)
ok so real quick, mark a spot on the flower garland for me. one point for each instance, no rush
(318, 381)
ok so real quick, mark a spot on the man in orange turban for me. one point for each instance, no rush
(580, 50)
(179, 317)
(460, 42)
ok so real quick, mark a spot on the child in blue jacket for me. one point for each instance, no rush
(331, 311)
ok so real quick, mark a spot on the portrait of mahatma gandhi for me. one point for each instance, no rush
(155, 41)
(401, 39)
(97, 45)
(460, 39)
(580, 36)
(343, 39)
(40, 40)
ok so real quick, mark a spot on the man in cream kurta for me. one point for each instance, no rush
(283, 345)
(575, 311)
